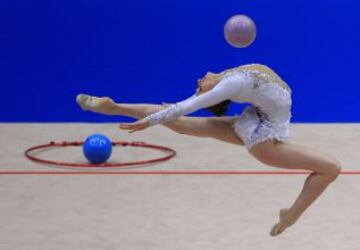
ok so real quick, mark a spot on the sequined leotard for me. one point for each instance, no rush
(268, 116)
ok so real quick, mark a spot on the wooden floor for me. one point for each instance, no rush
(171, 211)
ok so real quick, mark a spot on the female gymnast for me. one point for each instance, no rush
(263, 127)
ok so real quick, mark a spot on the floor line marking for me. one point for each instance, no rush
(245, 172)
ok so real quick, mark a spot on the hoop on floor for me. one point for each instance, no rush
(170, 154)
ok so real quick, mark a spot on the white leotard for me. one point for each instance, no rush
(242, 86)
(267, 117)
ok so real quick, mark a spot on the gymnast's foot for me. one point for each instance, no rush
(96, 104)
(285, 221)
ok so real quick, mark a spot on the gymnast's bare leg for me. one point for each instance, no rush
(215, 127)
(325, 169)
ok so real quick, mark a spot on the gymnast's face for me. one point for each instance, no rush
(207, 83)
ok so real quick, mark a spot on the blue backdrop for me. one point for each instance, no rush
(154, 50)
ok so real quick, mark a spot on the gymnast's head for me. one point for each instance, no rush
(207, 83)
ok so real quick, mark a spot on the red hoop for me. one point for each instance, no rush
(171, 154)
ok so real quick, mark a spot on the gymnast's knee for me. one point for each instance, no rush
(334, 169)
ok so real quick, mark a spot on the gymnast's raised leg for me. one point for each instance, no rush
(215, 127)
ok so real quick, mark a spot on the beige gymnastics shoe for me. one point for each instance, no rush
(93, 103)
(284, 222)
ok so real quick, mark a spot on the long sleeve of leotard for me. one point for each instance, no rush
(224, 90)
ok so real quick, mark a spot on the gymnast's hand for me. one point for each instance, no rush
(135, 126)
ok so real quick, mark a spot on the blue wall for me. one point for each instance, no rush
(154, 50)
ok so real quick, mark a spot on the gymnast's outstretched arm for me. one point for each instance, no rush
(225, 89)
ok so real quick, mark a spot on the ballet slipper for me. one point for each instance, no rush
(87, 102)
(83, 100)
(284, 222)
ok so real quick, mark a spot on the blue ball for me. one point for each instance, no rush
(97, 148)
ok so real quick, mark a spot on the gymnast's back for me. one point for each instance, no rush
(261, 73)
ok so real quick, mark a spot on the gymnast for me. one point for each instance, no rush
(263, 126)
